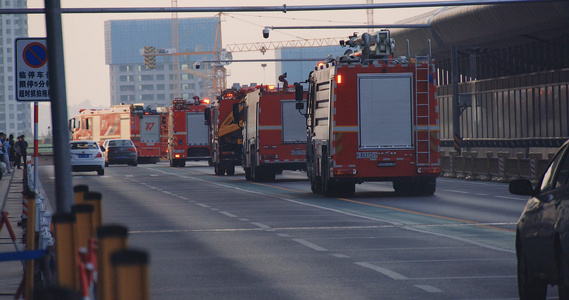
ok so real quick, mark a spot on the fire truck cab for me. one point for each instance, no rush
(371, 117)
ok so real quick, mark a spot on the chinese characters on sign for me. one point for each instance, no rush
(32, 76)
(33, 85)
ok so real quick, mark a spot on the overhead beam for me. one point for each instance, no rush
(284, 8)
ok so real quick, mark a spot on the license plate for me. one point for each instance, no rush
(83, 155)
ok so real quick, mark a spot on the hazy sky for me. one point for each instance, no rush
(87, 75)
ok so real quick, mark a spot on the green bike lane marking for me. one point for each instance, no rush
(485, 235)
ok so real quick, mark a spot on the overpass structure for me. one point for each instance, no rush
(508, 68)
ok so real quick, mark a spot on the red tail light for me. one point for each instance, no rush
(98, 155)
(132, 149)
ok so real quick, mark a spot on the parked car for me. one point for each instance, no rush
(87, 156)
(542, 235)
(120, 151)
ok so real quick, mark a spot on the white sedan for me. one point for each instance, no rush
(87, 156)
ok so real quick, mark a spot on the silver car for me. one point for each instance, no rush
(87, 156)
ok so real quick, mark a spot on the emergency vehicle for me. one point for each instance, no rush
(371, 117)
(145, 126)
(274, 133)
(226, 132)
(188, 133)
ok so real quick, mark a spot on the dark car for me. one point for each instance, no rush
(542, 236)
(120, 151)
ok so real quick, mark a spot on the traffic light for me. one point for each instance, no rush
(149, 58)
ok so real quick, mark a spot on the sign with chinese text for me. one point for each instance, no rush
(32, 76)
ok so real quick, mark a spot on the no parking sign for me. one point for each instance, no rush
(32, 76)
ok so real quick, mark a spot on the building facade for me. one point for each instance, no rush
(15, 117)
(132, 82)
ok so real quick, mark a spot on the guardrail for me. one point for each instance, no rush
(503, 167)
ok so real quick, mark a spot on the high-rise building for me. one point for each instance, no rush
(132, 82)
(15, 117)
(298, 70)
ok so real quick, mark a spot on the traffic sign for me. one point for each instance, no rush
(32, 76)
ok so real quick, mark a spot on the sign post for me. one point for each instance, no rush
(32, 83)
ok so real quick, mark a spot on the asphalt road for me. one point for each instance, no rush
(222, 237)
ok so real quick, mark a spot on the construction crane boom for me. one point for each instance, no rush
(266, 46)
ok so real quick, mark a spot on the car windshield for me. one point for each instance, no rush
(119, 143)
(83, 146)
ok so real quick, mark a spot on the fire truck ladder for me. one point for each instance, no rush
(422, 111)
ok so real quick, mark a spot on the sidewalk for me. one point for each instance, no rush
(11, 272)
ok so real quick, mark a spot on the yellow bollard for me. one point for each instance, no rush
(83, 222)
(95, 199)
(79, 192)
(110, 239)
(65, 249)
(30, 244)
(131, 275)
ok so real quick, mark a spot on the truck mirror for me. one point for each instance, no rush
(298, 91)
(299, 105)
(236, 113)
(207, 116)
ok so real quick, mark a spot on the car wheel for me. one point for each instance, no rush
(101, 172)
(528, 286)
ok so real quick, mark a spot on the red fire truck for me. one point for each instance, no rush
(145, 126)
(188, 133)
(371, 117)
(226, 133)
(274, 133)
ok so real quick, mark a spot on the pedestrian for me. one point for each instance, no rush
(4, 145)
(12, 150)
(18, 156)
(23, 149)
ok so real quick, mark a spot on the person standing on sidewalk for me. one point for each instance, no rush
(17, 156)
(4, 145)
(23, 149)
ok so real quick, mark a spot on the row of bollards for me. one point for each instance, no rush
(93, 260)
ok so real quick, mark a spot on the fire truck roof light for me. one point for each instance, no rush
(205, 100)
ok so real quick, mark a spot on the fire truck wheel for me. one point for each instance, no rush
(248, 173)
(181, 163)
(426, 186)
(346, 189)
(218, 170)
(101, 172)
(330, 188)
(230, 170)
(316, 185)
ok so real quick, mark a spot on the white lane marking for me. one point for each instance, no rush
(203, 205)
(384, 271)
(128, 176)
(428, 288)
(261, 225)
(512, 198)
(340, 255)
(228, 214)
(310, 245)
(183, 198)
(244, 219)
(455, 191)
(283, 235)
(167, 193)
(214, 209)
(399, 224)
(154, 175)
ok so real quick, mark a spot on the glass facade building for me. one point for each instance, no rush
(131, 82)
(15, 117)
(298, 70)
